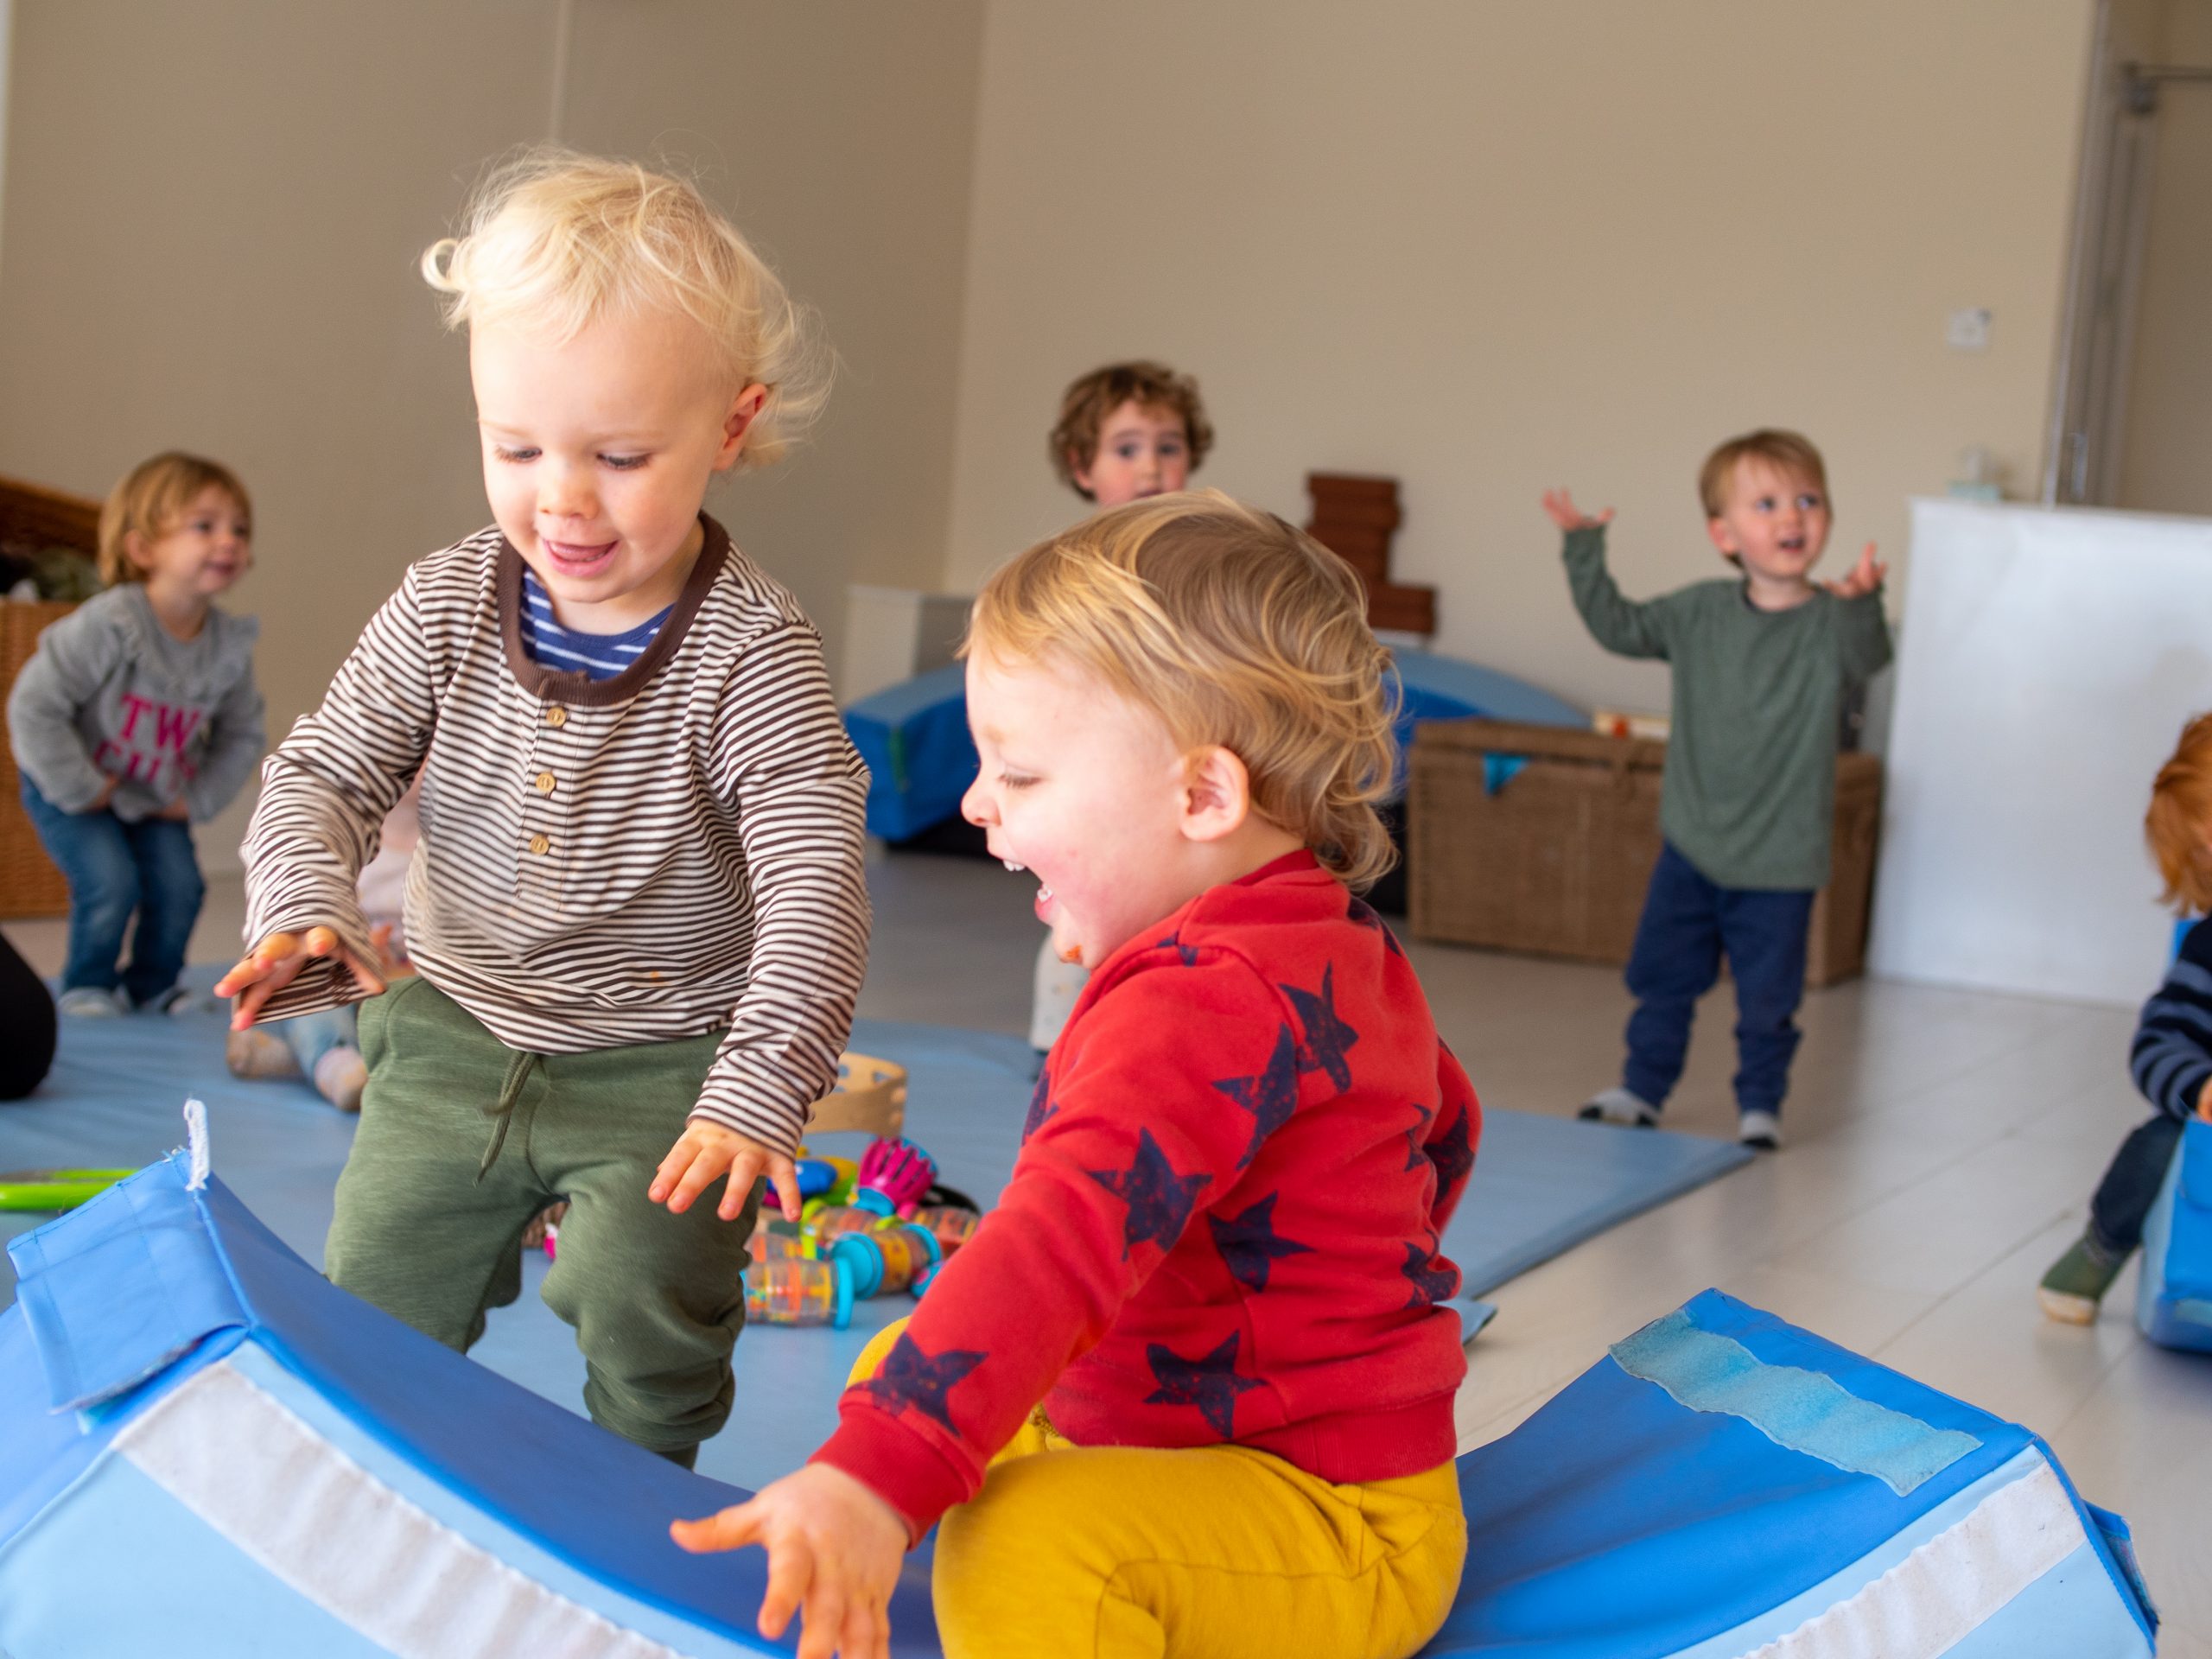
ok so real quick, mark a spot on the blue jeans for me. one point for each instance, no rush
(1688, 922)
(115, 868)
(311, 1036)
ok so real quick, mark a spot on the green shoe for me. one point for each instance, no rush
(2077, 1282)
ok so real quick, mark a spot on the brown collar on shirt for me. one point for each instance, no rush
(579, 690)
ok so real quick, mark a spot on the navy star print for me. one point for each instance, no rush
(1432, 1282)
(1327, 1036)
(1416, 1137)
(1040, 1105)
(913, 1380)
(1249, 1243)
(1452, 1154)
(1360, 913)
(1209, 1382)
(1160, 1200)
(1271, 1097)
(1174, 942)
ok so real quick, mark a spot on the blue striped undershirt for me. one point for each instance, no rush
(564, 650)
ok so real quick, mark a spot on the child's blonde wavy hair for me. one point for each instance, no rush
(554, 241)
(1236, 630)
(153, 497)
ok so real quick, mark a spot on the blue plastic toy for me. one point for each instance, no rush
(2173, 1299)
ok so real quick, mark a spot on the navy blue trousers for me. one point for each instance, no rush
(1689, 924)
(2131, 1185)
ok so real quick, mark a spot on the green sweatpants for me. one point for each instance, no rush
(462, 1140)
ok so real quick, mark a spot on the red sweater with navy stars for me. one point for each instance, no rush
(1223, 1225)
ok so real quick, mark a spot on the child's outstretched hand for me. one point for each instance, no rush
(275, 963)
(1567, 516)
(834, 1550)
(706, 1151)
(1864, 578)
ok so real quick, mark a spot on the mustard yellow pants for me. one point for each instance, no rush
(1114, 1552)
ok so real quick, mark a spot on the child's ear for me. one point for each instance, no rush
(136, 549)
(1216, 793)
(1079, 471)
(737, 422)
(1723, 537)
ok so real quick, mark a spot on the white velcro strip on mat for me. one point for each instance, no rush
(1949, 1586)
(250, 1467)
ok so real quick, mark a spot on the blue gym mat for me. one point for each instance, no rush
(1540, 1185)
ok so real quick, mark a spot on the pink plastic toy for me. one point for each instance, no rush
(893, 1176)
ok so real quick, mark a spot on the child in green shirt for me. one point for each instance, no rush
(1762, 662)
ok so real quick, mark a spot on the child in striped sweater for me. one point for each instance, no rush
(636, 912)
(2172, 1056)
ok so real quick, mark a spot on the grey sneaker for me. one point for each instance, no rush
(1617, 1105)
(91, 1002)
(2077, 1281)
(1760, 1131)
(177, 1001)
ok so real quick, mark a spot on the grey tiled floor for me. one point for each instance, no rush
(1942, 1145)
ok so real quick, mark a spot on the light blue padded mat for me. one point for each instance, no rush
(1540, 1185)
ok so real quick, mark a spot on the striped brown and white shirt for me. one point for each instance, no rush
(643, 859)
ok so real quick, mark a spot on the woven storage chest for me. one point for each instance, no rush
(1555, 861)
(32, 517)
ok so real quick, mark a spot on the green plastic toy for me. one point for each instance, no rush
(54, 1189)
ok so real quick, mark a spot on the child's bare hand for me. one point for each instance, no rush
(275, 963)
(2204, 1101)
(1567, 516)
(177, 812)
(834, 1550)
(1864, 578)
(706, 1152)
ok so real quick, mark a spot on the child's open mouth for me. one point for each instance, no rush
(1044, 892)
(572, 559)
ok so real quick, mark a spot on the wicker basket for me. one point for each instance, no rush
(1556, 861)
(30, 884)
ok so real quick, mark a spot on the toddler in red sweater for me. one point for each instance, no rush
(1189, 1388)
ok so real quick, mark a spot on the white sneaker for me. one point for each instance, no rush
(91, 1002)
(1761, 1131)
(1618, 1105)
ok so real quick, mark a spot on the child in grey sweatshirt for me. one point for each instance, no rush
(136, 717)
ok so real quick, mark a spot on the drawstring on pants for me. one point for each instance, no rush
(503, 1114)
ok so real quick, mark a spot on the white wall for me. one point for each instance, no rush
(1494, 248)
(213, 216)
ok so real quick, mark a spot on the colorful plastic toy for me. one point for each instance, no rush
(951, 1225)
(782, 1241)
(54, 1189)
(796, 1291)
(828, 1179)
(886, 1262)
(826, 1222)
(894, 1175)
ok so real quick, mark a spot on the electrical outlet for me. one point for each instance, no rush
(1968, 329)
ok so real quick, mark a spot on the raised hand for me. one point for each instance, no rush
(1567, 516)
(275, 963)
(834, 1553)
(705, 1151)
(1863, 578)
